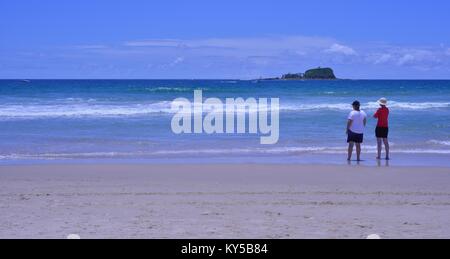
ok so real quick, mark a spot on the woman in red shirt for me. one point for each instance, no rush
(382, 129)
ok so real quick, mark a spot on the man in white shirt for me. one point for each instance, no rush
(355, 130)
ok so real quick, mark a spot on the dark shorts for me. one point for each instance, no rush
(354, 137)
(381, 132)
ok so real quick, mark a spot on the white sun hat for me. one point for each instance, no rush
(382, 101)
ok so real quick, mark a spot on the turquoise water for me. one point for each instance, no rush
(129, 120)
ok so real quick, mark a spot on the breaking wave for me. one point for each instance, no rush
(91, 108)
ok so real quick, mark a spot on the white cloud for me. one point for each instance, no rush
(244, 46)
(405, 59)
(177, 61)
(247, 57)
(417, 56)
(341, 49)
(155, 43)
(98, 46)
(383, 58)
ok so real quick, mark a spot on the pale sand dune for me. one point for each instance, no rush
(223, 201)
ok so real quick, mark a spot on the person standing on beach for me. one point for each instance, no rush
(382, 129)
(355, 130)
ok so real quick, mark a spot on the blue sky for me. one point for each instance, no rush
(223, 39)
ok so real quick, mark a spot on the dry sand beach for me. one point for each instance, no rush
(223, 201)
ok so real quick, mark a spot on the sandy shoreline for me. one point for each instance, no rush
(223, 201)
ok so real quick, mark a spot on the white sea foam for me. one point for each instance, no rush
(171, 89)
(422, 151)
(412, 105)
(217, 152)
(369, 105)
(82, 108)
(67, 155)
(440, 142)
(229, 82)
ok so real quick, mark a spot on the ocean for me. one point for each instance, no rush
(46, 121)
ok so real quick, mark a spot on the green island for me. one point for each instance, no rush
(310, 74)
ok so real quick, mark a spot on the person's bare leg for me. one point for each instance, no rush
(386, 146)
(358, 151)
(350, 150)
(379, 148)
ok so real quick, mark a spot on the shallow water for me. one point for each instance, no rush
(130, 120)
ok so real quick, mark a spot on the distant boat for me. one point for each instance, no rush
(25, 81)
